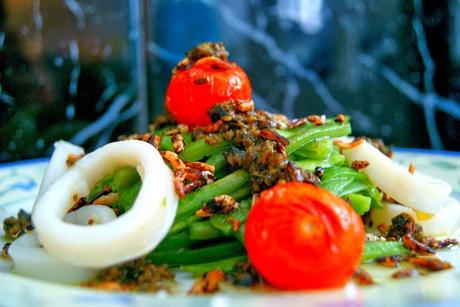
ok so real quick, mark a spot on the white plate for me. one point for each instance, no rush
(19, 183)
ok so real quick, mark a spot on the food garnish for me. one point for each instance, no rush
(231, 194)
(299, 236)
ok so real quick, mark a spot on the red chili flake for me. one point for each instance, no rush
(221, 204)
(439, 244)
(188, 179)
(72, 159)
(359, 164)
(244, 105)
(274, 136)
(200, 166)
(363, 277)
(404, 224)
(280, 148)
(383, 228)
(344, 145)
(317, 120)
(390, 261)
(340, 118)
(188, 176)
(411, 168)
(416, 246)
(173, 159)
(235, 223)
(404, 273)
(297, 123)
(150, 138)
(209, 283)
(431, 263)
(178, 143)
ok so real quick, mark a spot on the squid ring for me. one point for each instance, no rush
(31, 260)
(417, 191)
(58, 164)
(131, 235)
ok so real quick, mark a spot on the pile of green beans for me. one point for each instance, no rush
(199, 244)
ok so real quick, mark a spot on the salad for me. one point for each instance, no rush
(230, 194)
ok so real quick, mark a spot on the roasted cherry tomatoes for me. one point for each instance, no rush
(210, 80)
(299, 236)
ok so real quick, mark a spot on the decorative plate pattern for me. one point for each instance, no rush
(19, 184)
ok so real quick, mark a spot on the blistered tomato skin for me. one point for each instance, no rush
(299, 236)
(210, 80)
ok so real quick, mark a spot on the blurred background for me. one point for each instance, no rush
(87, 71)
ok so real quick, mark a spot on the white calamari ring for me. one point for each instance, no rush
(31, 260)
(417, 191)
(131, 235)
(58, 163)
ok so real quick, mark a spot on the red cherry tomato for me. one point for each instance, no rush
(210, 80)
(299, 236)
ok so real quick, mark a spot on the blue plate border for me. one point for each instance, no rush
(427, 151)
(23, 162)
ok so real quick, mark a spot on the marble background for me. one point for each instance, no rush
(88, 70)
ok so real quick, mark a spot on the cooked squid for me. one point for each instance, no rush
(445, 222)
(30, 259)
(132, 234)
(417, 191)
(58, 163)
(91, 215)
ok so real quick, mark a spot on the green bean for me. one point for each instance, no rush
(221, 222)
(124, 177)
(336, 185)
(219, 163)
(226, 265)
(174, 241)
(241, 193)
(203, 231)
(378, 249)
(318, 149)
(166, 142)
(193, 201)
(240, 233)
(309, 133)
(332, 160)
(360, 203)
(199, 149)
(182, 223)
(343, 171)
(290, 132)
(185, 256)
(342, 180)
(127, 196)
(99, 187)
